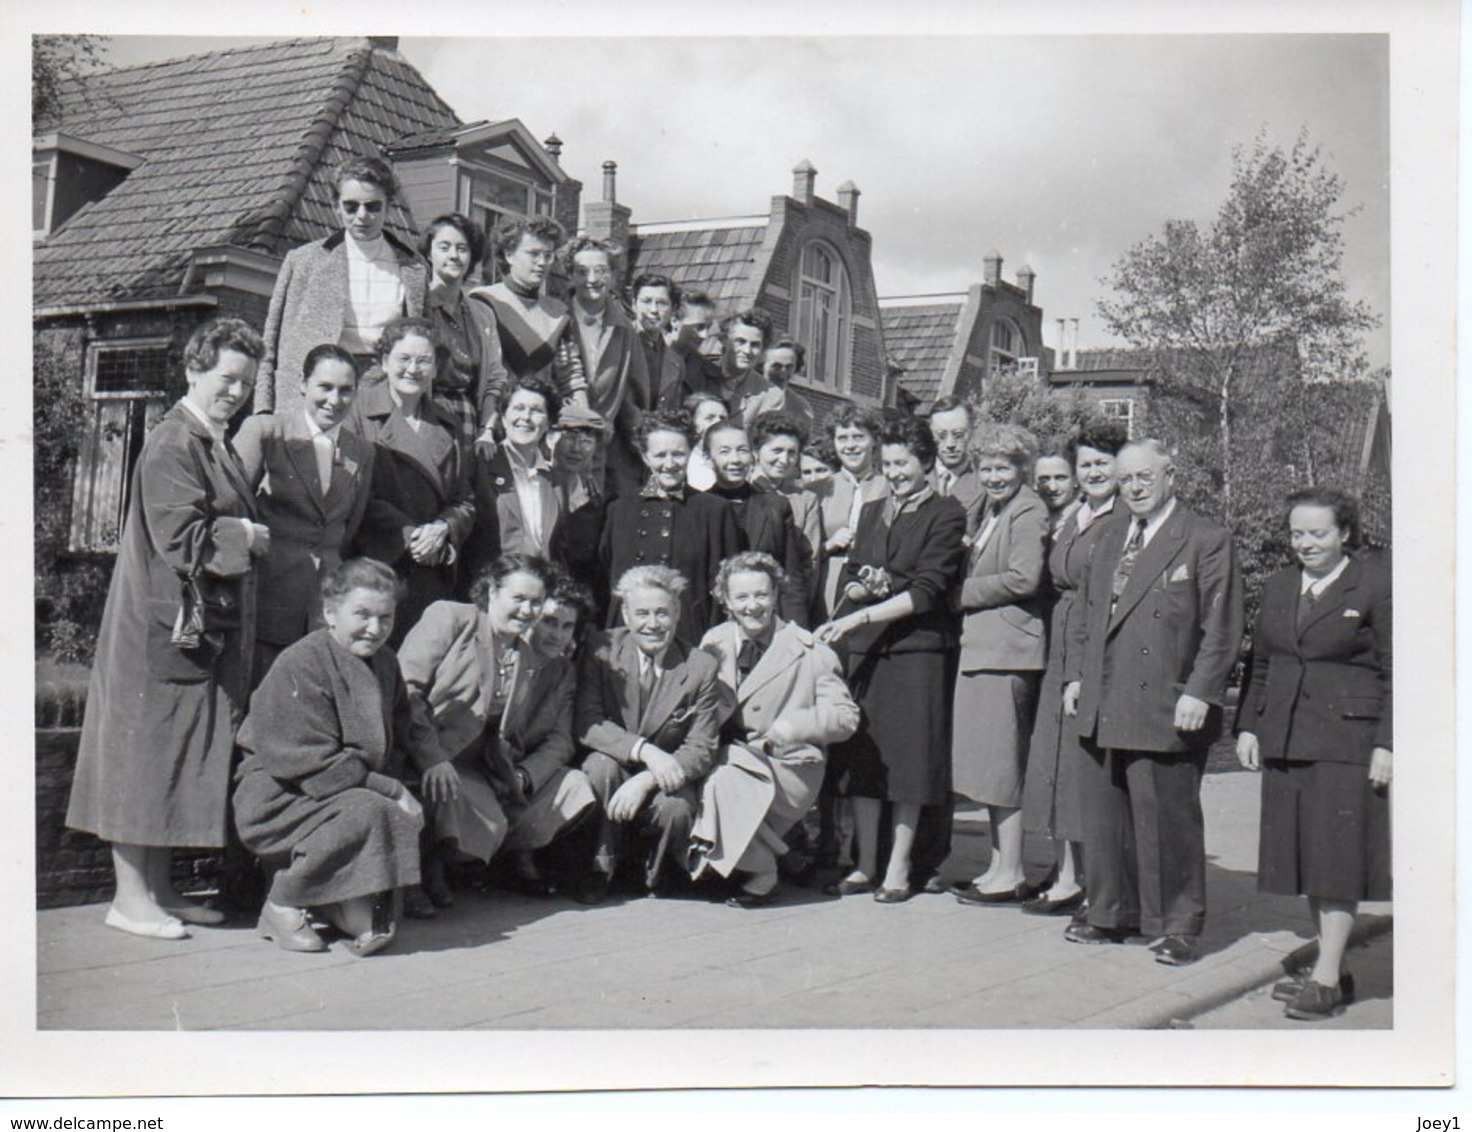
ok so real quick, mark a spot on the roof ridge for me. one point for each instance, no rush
(174, 60)
(265, 227)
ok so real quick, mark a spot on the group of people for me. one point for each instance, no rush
(513, 581)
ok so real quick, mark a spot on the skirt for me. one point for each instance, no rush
(902, 749)
(1325, 832)
(1050, 803)
(994, 715)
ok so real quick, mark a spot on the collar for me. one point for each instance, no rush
(375, 249)
(734, 491)
(953, 473)
(217, 431)
(911, 502)
(651, 490)
(446, 299)
(313, 431)
(596, 318)
(645, 660)
(521, 293)
(1316, 586)
(1155, 521)
(538, 466)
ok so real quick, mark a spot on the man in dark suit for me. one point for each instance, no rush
(649, 707)
(1149, 663)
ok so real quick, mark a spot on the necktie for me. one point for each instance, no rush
(1126, 566)
(747, 657)
(1306, 602)
(323, 449)
(943, 481)
(648, 678)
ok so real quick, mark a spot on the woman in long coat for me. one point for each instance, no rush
(1317, 719)
(168, 691)
(787, 702)
(902, 641)
(421, 506)
(320, 790)
(1002, 653)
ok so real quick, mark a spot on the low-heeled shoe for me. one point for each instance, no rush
(1315, 1001)
(1090, 933)
(418, 905)
(1287, 990)
(288, 929)
(893, 895)
(744, 899)
(847, 887)
(170, 927)
(1175, 950)
(973, 895)
(592, 888)
(1046, 906)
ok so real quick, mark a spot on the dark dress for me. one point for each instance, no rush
(153, 767)
(692, 532)
(324, 751)
(419, 476)
(1319, 700)
(902, 674)
(1050, 801)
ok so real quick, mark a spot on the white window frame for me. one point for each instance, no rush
(828, 360)
(1110, 408)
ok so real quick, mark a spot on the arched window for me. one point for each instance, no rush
(1006, 346)
(825, 316)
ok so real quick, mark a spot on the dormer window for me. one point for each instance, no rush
(68, 173)
(824, 315)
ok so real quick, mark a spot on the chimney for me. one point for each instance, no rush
(1026, 276)
(384, 42)
(606, 219)
(804, 177)
(992, 267)
(553, 145)
(1073, 346)
(848, 200)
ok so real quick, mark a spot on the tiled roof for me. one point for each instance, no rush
(238, 148)
(717, 260)
(1112, 359)
(921, 338)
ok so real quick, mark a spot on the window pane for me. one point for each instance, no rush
(131, 371)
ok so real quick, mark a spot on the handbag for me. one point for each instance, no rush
(205, 612)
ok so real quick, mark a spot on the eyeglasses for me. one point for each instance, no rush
(1144, 479)
(371, 207)
(943, 434)
(417, 361)
(592, 272)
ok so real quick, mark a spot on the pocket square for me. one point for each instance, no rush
(1351, 613)
(1182, 573)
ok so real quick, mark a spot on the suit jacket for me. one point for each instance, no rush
(408, 491)
(683, 716)
(1177, 629)
(511, 520)
(309, 530)
(1322, 690)
(702, 533)
(798, 679)
(767, 525)
(968, 492)
(308, 307)
(1003, 628)
(449, 662)
(923, 552)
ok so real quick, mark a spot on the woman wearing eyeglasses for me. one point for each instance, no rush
(420, 506)
(344, 289)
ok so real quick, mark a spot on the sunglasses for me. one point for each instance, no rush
(369, 206)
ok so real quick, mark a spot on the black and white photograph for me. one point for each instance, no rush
(644, 548)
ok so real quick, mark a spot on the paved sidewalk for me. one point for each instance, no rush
(505, 962)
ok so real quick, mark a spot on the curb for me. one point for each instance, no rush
(1170, 1009)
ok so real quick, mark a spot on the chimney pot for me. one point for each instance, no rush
(992, 267)
(553, 145)
(1026, 277)
(610, 172)
(804, 179)
(385, 42)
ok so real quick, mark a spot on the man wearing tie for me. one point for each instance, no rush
(953, 425)
(1149, 664)
(649, 707)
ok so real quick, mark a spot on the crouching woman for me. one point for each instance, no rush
(787, 701)
(319, 794)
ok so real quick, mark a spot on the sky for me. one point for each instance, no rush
(1056, 151)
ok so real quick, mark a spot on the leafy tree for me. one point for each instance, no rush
(1243, 325)
(1015, 398)
(55, 60)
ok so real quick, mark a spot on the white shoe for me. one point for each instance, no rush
(167, 928)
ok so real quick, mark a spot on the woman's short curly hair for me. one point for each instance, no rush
(615, 252)
(648, 577)
(202, 351)
(774, 422)
(506, 240)
(1344, 506)
(398, 329)
(747, 562)
(360, 574)
(911, 433)
(663, 420)
(467, 227)
(491, 577)
(534, 383)
(1010, 441)
(854, 416)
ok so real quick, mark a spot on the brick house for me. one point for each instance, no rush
(168, 193)
(805, 262)
(948, 345)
